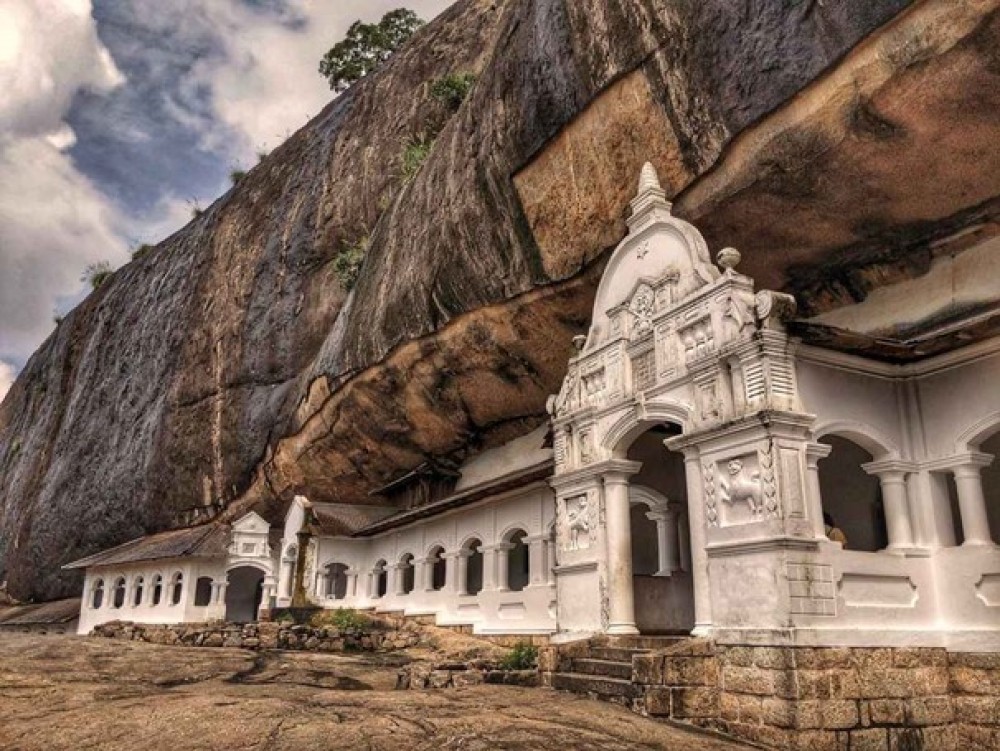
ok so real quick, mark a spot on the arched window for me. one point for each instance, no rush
(118, 600)
(406, 574)
(439, 568)
(518, 563)
(381, 579)
(852, 498)
(203, 592)
(97, 595)
(177, 589)
(336, 581)
(473, 567)
(157, 589)
(137, 588)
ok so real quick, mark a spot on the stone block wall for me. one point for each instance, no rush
(818, 699)
(265, 636)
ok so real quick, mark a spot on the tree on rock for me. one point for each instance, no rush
(366, 46)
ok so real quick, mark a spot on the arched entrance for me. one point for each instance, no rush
(244, 594)
(663, 590)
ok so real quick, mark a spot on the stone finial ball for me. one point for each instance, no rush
(728, 258)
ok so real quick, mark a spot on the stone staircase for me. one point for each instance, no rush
(602, 667)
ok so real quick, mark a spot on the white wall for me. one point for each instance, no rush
(494, 609)
(146, 611)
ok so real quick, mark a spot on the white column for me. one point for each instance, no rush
(972, 503)
(536, 560)
(683, 542)
(495, 567)
(699, 556)
(621, 601)
(460, 577)
(666, 540)
(894, 497)
(815, 452)
(398, 571)
(322, 585)
(423, 579)
(352, 583)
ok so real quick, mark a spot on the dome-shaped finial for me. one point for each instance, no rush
(728, 258)
(648, 180)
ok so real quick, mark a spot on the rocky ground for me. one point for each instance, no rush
(77, 693)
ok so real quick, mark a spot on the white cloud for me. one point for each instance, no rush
(266, 84)
(53, 221)
(6, 378)
(250, 79)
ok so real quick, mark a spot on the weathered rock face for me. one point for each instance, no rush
(232, 364)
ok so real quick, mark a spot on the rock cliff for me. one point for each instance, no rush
(241, 359)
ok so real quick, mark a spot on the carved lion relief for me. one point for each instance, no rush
(740, 483)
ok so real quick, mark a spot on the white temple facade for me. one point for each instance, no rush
(698, 462)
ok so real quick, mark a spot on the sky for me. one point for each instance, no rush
(120, 116)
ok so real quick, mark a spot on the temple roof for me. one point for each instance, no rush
(344, 519)
(511, 481)
(59, 611)
(205, 541)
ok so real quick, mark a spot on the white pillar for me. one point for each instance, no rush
(495, 567)
(892, 475)
(536, 560)
(323, 585)
(972, 502)
(461, 571)
(666, 540)
(352, 583)
(423, 578)
(398, 573)
(815, 452)
(699, 556)
(621, 601)
(550, 562)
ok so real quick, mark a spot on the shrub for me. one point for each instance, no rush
(142, 251)
(262, 155)
(415, 153)
(236, 176)
(523, 656)
(342, 619)
(97, 274)
(366, 47)
(452, 90)
(347, 264)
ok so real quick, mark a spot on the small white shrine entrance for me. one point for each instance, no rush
(677, 349)
(714, 475)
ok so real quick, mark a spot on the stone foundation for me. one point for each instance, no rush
(461, 674)
(266, 636)
(819, 699)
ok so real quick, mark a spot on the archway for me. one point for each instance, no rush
(473, 583)
(439, 568)
(381, 576)
(336, 581)
(662, 582)
(517, 571)
(852, 498)
(406, 573)
(244, 594)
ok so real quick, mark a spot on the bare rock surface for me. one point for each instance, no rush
(79, 693)
(237, 363)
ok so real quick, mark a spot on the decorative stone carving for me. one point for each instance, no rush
(580, 524)
(642, 307)
(711, 504)
(775, 306)
(741, 483)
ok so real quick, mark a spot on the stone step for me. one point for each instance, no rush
(606, 668)
(615, 654)
(609, 689)
(646, 643)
